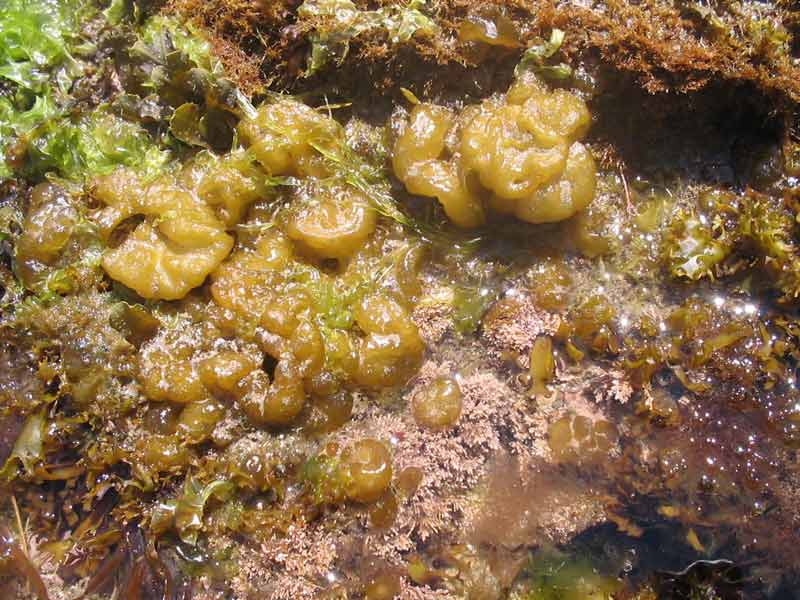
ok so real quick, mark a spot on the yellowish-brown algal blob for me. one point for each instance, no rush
(162, 453)
(308, 349)
(173, 250)
(247, 284)
(168, 374)
(328, 413)
(384, 586)
(229, 185)
(492, 29)
(47, 229)
(392, 349)
(439, 404)
(251, 471)
(409, 480)
(325, 325)
(269, 288)
(517, 155)
(333, 225)
(162, 418)
(403, 278)
(543, 365)
(198, 419)
(590, 326)
(421, 162)
(368, 468)
(576, 438)
(383, 512)
(660, 407)
(276, 402)
(284, 137)
(550, 286)
(260, 286)
(222, 372)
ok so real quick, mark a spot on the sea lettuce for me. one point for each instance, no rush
(162, 36)
(94, 144)
(36, 64)
(35, 39)
(42, 127)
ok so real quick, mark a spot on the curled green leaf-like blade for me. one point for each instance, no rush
(186, 125)
(695, 247)
(533, 59)
(28, 449)
(190, 506)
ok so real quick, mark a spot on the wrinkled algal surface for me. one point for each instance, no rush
(335, 299)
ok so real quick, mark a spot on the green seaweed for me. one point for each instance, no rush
(166, 40)
(552, 575)
(28, 449)
(94, 144)
(37, 42)
(695, 246)
(323, 478)
(36, 38)
(771, 229)
(537, 59)
(185, 513)
(698, 244)
(469, 306)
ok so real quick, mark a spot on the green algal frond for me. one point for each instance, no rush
(770, 228)
(695, 245)
(536, 59)
(469, 306)
(185, 513)
(37, 42)
(162, 36)
(28, 448)
(552, 575)
(92, 145)
(36, 37)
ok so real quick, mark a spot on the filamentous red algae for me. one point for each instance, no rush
(485, 481)
(668, 47)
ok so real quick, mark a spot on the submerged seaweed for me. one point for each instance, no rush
(239, 358)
